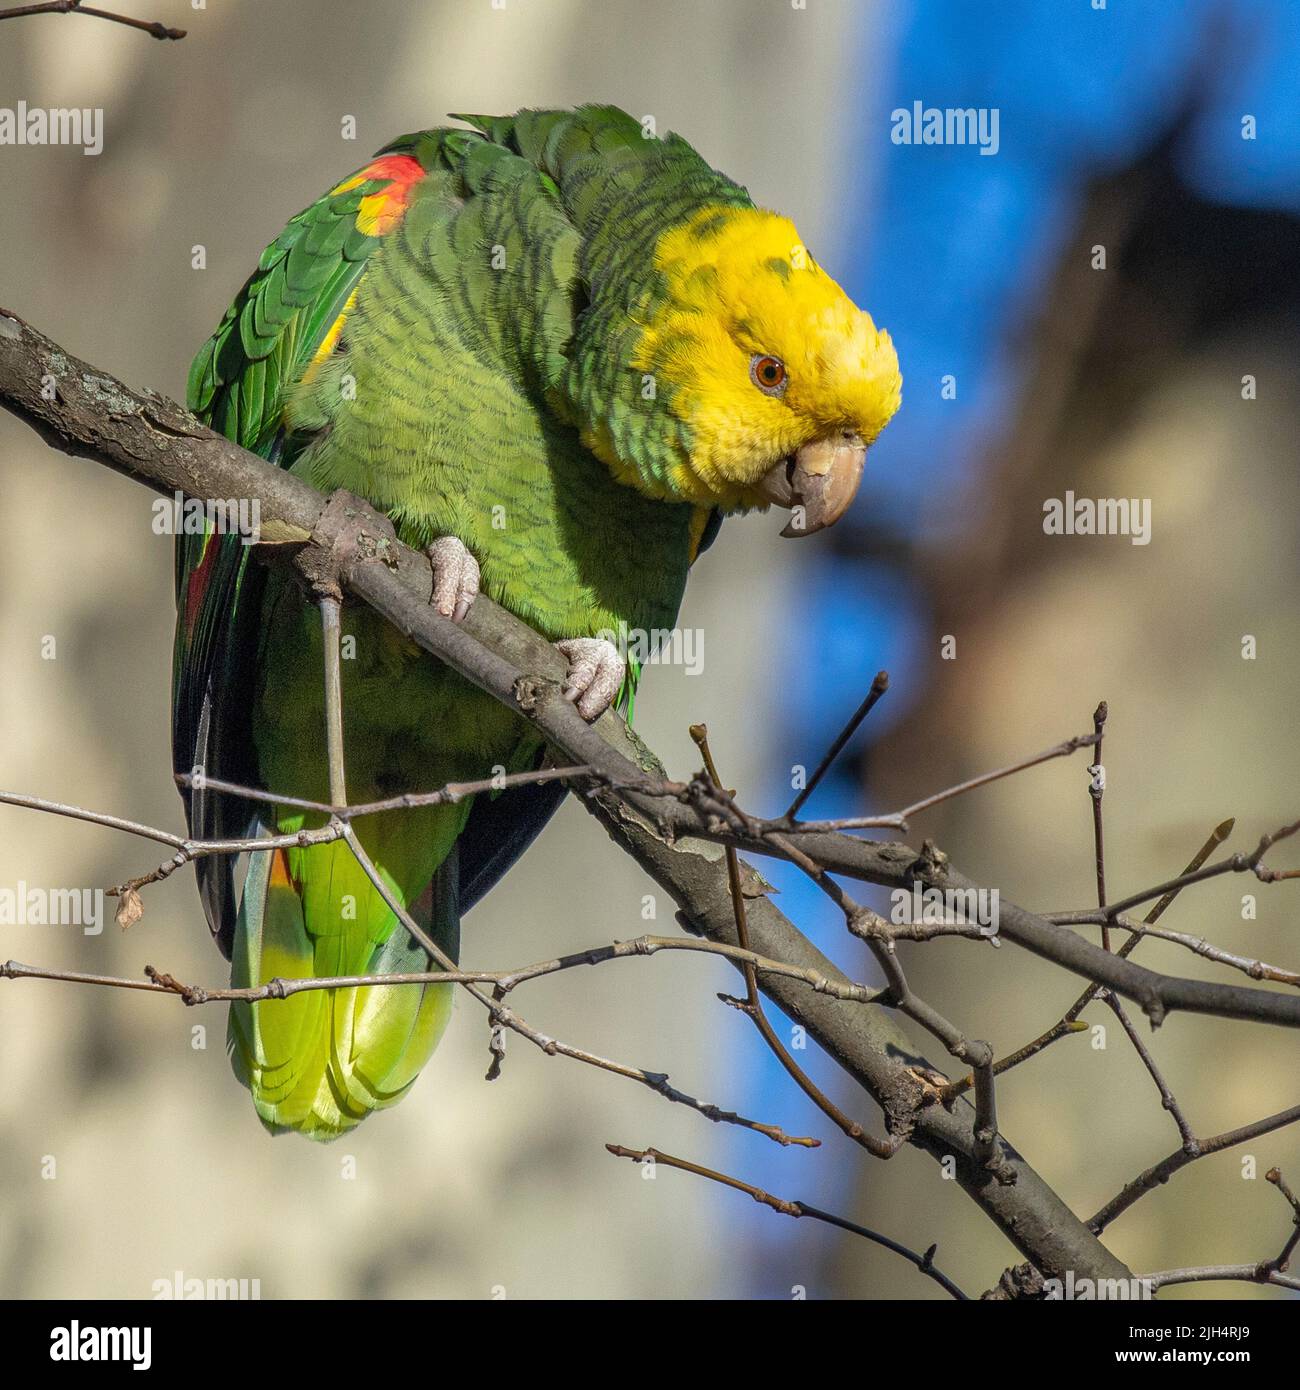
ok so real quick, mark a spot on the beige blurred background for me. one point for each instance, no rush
(469, 1190)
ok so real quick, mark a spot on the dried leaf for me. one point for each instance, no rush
(130, 909)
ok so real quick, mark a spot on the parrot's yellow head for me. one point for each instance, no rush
(778, 380)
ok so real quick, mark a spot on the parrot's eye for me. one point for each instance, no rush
(768, 374)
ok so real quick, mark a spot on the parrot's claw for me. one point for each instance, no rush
(596, 672)
(455, 577)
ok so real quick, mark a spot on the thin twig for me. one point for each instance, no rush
(879, 936)
(1249, 1274)
(878, 688)
(1248, 965)
(1234, 864)
(1096, 790)
(752, 1004)
(1068, 1023)
(449, 794)
(650, 945)
(1058, 1030)
(899, 819)
(1265, 1272)
(153, 28)
(331, 635)
(1160, 1173)
(925, 1263)
(1167, 1099)
(188, 849)
(60, 808)
(1216, 838)
(1283, 1260)
(504, 981)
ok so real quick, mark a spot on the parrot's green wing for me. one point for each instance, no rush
(320, 1061)
(285, 316)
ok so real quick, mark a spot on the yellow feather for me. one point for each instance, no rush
(741, 283)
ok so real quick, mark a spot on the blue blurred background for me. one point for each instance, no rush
(957, 253)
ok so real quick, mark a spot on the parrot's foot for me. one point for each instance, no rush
(595, 676)
(455, 577)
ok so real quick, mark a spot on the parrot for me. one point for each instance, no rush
(555, 349)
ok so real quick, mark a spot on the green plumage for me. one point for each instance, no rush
(487, 320)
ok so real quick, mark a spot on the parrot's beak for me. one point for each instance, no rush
(821, 478)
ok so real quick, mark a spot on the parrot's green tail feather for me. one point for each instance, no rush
(320, 1061)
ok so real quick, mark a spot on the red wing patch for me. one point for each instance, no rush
(380, 212)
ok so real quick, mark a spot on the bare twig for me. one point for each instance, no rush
(1096, 790)
(925, 1263)
(880, 936)
(1068, 1023)
(1283, 1260)
(1233, 864)
(331, 635)
(1216, 837)
(151, 27)
(1265, 1272)
(898, 820)
(1167, 1099)
(752, 1004)
(1248, 965)
(1058, 1030)
(878, 688)
(1250, 1274)
(504, 981)
(187, 849)
(1160, 1173)
(444, 796)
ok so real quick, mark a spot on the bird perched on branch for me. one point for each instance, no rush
(555, 350)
